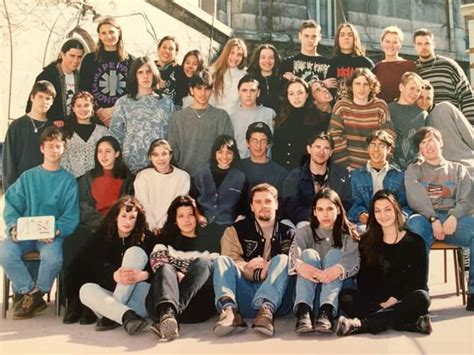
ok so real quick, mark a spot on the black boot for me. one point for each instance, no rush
(304, 321)
(87, 316)
(324, 322)
(73, 310)
(133, 323)
(168, 327)
(105, 323)
(470, 302)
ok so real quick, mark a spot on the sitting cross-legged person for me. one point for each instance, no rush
(250, 277)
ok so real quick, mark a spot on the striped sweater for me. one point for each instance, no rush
(351, 124)
(449, 82)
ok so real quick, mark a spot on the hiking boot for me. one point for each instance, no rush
(133, 323)
(264, 322)
(470, 303)
(324, 322)
(304, 322)
(168, 327)
(230, 321)
(87, 316)
(423, 324)
(105, 323)
(17, 298)
(30, 305)
(347, 326)
(73, 311)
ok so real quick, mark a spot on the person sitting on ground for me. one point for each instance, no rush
(392, 292)
(115, 268)
(323, 255)
(181, 290)
(251, 277)
(45, 190)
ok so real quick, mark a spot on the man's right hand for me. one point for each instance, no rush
(438, 231)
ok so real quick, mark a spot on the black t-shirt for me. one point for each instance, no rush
(84, 130)
(342, 67)
(307, 67)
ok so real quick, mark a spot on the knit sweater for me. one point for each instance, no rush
(137, 123)
(156, 191)
(449, 82)
(351, 124)
(192, 137)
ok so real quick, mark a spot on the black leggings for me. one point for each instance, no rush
(401, 316)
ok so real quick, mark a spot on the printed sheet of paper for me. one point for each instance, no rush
(35, 228)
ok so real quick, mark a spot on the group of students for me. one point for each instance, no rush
(256, 191)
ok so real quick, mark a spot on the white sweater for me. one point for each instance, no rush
(229, 100)
(156, 191)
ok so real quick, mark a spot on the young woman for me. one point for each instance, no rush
(181, 289)
(264, 67)
(389, 70)
(227, 70)
(157, 186)
(353, 119)
(142, 116)
(220, 191)
(104, 73)
(82, 135)
(322, 100)
(193, 62)
(167, 65)
(322, 255)
(392, 278)
(116, 268)
(348, 54)
(293, 125)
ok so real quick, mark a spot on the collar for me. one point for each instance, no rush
(384, 169)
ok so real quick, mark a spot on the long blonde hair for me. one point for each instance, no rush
(221, 66)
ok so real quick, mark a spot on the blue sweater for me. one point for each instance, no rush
(40, 192)
(363, 190)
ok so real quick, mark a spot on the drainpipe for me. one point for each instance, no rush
(229, 13)
(470, 25)
(450, 24)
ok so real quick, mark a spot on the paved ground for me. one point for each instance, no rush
(453, 334)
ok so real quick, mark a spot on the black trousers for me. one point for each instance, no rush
(192, 298)
(401, 316)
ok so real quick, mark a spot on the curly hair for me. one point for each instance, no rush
(374, 84)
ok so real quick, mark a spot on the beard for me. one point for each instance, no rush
(265, 216)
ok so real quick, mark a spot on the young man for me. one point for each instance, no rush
(440, 191)
(376, 175)
(63, 73)
(21, 149)
(193, 130)
(259, 168)
(308, 64)
(407, 117)
(251, 275)
(447, 77)
(46, 190)
(302, 183)
(457, 132)
(248, 112)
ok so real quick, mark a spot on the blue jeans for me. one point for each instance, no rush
(463, 236)
(17, 271)
(125, 297)
(248, 295)
(316, 294)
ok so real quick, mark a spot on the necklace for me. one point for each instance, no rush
(35, 128)
(202, 113)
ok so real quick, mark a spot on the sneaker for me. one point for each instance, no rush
(470, 302)
(30, 305)
(87, 316)
(133, 323)
(73, 311)
(105, 323)
(347, 326)
(324, 322)
(423, 324)
(168, 327)
(230, 321)
(304, 323)
(264, 322)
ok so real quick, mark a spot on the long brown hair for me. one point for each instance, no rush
(285, 107)
(371, 242)
(357, 50)
(254, 64)
(374, 84)
(99, 54)
(170, 229)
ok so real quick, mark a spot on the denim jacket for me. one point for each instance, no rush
(363, 190)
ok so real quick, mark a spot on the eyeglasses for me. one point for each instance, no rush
(255, 141)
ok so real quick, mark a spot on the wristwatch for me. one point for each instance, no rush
(434, 219)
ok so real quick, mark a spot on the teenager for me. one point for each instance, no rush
(116, 269)
(167, 65)
(45, 190)
(355, 117)
(322, 105)
(390, 69)
(193, 62)
(181, 290)
(142, 116)
(63, 73)
(82, 135)
(264, 66)
(220, 191)
(227, 70)
(392, 292)
(249, 112)
(104, 72)
(21, 148)
(159, 184)
(322, 255)
(193, 130)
